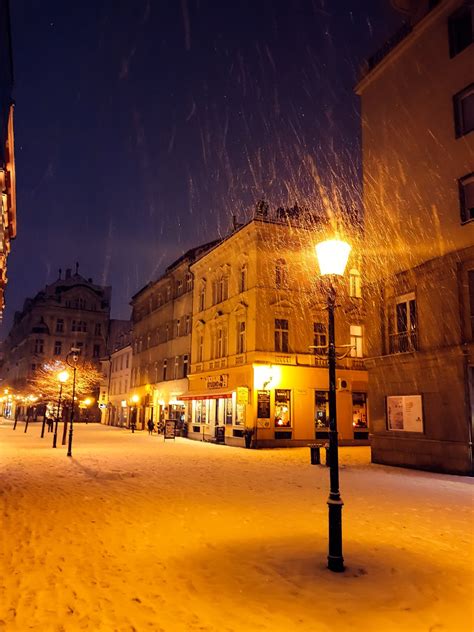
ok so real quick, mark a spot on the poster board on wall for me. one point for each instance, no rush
(405, 413)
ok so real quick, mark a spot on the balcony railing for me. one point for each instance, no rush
(403, 342)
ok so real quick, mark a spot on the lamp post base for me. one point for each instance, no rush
(335, 559)
(336, 564)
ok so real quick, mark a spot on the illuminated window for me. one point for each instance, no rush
(58, 345)
(282, 408)
(356, 341)
(281, 274)
(321, 409)
(403, 331)
(319, 339)
(354, 284)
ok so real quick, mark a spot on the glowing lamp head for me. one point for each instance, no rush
(332, 256)
(135, 398)
(87, 401)
(63, 376)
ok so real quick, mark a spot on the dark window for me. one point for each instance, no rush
(185, 365)
(405, 336)
(59, 325)
(466, 197)
(464, 111)
(39, 345)
(281, 335)
(58, 345)
(471, 299)
(96, 351)
(165, 368)
(319, 339)
(98, 329)
(460, 30)
(281, 274)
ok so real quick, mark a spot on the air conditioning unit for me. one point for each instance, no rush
(343, 384)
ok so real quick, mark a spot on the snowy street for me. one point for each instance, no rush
(134, 533)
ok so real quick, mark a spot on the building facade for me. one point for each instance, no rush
(417, 102)
(161, 343)
(259, 371)
(71, 312)
(7, 149)
(114, 391)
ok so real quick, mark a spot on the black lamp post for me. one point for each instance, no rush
(332, 257)
(72, 358)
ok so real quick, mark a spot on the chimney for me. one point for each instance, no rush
(60, 272)
(68, 273)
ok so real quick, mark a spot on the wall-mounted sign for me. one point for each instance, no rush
(263, 404)
(242, 395)
(405, 413)
(217, 381)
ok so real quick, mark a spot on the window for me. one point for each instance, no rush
(189, 282)
(281, 274)
(282, 408)
(39, 345)
(79, 325)
(356, 341)
(281, 335)
(165, 368)
(58, 347)
(33, 367)
(185, 365)
(167, 332)
(243, 278)
(96, 351)
(466, 197)
(320, 339)
(200, 351)
(126, 360)
(460, 28)
(359, 410)
(98, 329)
(471, 299)
(168, 292)
(176, 368)
(179, 287)
(224, 284)
(178, 328)
(354, 284)
(321, 409)
(59, 325)
(187, 325)
(403, 328)
(241, 337)
(202, 297)
(221, 343)
(464, 111)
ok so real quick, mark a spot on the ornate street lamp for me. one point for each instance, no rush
(63, 377)
(72, 358)
(332, 258)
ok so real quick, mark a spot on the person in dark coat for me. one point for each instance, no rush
(151, 426)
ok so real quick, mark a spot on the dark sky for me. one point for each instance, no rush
(142, 126)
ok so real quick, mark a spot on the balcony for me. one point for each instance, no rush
(404, 342)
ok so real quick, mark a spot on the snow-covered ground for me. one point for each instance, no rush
(133, 533)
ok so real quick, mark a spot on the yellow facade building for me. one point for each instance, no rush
(259, 371)
(417, 101)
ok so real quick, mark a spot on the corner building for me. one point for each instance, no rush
(417, 102)
(259, 371)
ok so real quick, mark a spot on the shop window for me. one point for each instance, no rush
(359, 411)
(460, 28)
(355, 290)
(403, 331)
(320, 339)
(281, 335)
(58, 346)
(282, 408)
(464, 111)
(228, 411)
(241, 337)
(321, 409)
(59, 325)
(466, 197)
(356, 341)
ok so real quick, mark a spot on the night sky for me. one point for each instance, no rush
(142, 126)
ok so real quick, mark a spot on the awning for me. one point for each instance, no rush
(226, 395)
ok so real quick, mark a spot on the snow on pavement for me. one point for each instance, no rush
(134, 533)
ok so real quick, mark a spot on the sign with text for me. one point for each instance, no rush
(170, 430)
(405, 413)
(263, 404)
(242, 395)
(217, 381)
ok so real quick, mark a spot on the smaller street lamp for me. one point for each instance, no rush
(72, 358)
(134, 413)
(63, 377)
(332, 258)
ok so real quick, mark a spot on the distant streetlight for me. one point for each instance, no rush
(63, 377)
(72, 358)
(134, 412)
(332, 258)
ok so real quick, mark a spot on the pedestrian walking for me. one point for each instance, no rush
(151, 426)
